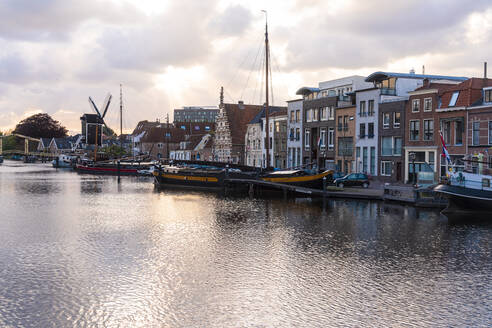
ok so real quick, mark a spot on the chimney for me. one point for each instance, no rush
(423, 69)
(412, 71)
(426, 82)
(485, 70)
(241, 104)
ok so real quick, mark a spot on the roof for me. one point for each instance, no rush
(91, 118)
(62, 143)
(271, 111)
(158, 134)
(470, 92)
(378, 76)
(306, 90)
(144, 126)
(45, 142)
(238, 117)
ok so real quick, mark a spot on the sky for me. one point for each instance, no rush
(54, 54)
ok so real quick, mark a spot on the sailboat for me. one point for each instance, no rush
(214, 175)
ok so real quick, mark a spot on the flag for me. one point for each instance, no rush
(319, 142)
(444, 149)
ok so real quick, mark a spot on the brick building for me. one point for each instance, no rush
(345, 137)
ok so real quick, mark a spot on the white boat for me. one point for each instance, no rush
(467, 192)
(62, 160)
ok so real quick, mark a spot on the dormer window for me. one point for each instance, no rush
(487, 95)
(454, 97)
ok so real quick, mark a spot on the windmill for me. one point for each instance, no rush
(92, 124)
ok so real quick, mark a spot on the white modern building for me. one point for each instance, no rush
(294, 130)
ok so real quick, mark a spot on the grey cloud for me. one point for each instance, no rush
(53, 20)
(374, 33)
(232, 22)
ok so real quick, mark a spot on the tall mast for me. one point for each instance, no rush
(121, 111)
(267, 121)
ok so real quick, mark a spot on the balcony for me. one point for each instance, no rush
(370, 136)
(390, 151)
(362, 136)
(343, 98)
(388, 91)
(362, 114)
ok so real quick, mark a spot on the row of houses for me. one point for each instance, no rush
(386, 125)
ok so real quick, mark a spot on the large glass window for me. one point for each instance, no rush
(386, 145)
(428, 130)
(476, 133)
(315, 114)
(309, 115)
(414, 130)
(323, 113)
(458, 133)
(362, 130)
(331, 113)
(345, 146)
(397, 145)
(373, 160)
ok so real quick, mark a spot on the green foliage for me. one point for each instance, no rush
(40, 126)
(10, 143)
(114, 151)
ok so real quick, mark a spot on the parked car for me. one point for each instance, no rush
(353, 179)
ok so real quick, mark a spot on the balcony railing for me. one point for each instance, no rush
(390, 151)
(388, 92)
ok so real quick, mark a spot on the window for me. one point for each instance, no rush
(362, 130)
(345, 146)
(370, 130)
(315, 114)
(298, 115)
(331, 138)
(458, 133)
(386, 120)
(397, 120)
(345, 122)
(373, 160)
(476, 133)
(340, 125)
(370, 107)
(307, 138)
(454, 97)
(309, 115)
(487, 95)
(386, 146)
(490, 132)
(292, 113)
(386, 168)
(414, 130)
(428, 130)
(298, 134)
(291, 135)
(397, 144)
(362, 108)
(427, 104)
(331, 113)
(415, 105)
(446, 131)
(364, 159)
(322, 138)
(323, 113)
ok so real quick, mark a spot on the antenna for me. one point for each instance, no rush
(121, 110)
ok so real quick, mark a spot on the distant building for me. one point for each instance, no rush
(294, 130)
(231, 127)
(196, 114)
(345, 136)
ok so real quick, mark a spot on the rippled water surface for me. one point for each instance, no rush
(80, 250)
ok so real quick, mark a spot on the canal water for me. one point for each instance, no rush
(85, 251)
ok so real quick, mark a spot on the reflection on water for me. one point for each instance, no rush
(82, 250)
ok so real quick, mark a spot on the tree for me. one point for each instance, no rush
(107, 131)
(114, 151)
(41, 126)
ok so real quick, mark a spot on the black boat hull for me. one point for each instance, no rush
(466, 199)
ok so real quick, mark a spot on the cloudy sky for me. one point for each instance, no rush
(54, 54)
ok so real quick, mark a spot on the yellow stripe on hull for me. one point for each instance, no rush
(305, 178)
(187, 177)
